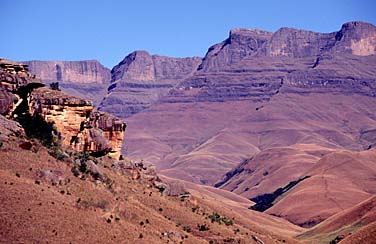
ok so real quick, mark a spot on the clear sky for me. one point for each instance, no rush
(108, 30)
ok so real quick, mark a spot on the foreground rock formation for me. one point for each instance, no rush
(79, 125)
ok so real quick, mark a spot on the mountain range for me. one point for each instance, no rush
(286, 119)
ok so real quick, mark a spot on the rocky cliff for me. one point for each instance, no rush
(14, 82)
(87, 71)
(87, 79)
(141, 79)
(356, 38)
(79, 125)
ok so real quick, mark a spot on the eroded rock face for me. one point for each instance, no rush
(357, 38)
(9, 128)
(141, 79)
(87, 79)
(239, 44)
(88, 71)
(80, 126)
(14, 79)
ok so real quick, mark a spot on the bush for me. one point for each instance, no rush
(215, 217)
(55, 86)
(36, 127)
(186, 228)
(84, 156)
(75, 171)
(203, 227)
(83, 167)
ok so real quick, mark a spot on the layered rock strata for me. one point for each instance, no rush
(87, 79)
(141, 79)
(86, 71)
(14, 80)
(79, 124)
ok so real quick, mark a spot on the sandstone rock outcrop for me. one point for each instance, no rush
(14, 80)
(79, 124)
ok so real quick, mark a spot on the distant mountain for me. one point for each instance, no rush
(87, 79)
(142, 79)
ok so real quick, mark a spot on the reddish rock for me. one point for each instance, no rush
(26, 145)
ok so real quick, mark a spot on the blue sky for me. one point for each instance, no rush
(108, 30)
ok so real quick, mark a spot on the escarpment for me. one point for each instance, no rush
(87, 79)
(141, 79)
(79, 126)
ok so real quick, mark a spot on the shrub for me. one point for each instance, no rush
(83, 167)
(186, 228)
(215, 217)
(55, 86)
(36, 127)
(75, 171)
(84, 156)
(203, 227)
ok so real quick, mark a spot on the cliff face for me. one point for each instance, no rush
(356, 38)
(88, 71)
(80, 126)
(141, 79)
(86, 79)
(14, 80)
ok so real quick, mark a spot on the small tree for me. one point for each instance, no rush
(55, 86)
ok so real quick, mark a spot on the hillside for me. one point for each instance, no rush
(345, 225)
(43, 201)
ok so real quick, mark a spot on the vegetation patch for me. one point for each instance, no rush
(215, 217)
(265, 201)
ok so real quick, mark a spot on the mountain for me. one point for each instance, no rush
(246, 97)
(140, 79)
(87, 79)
